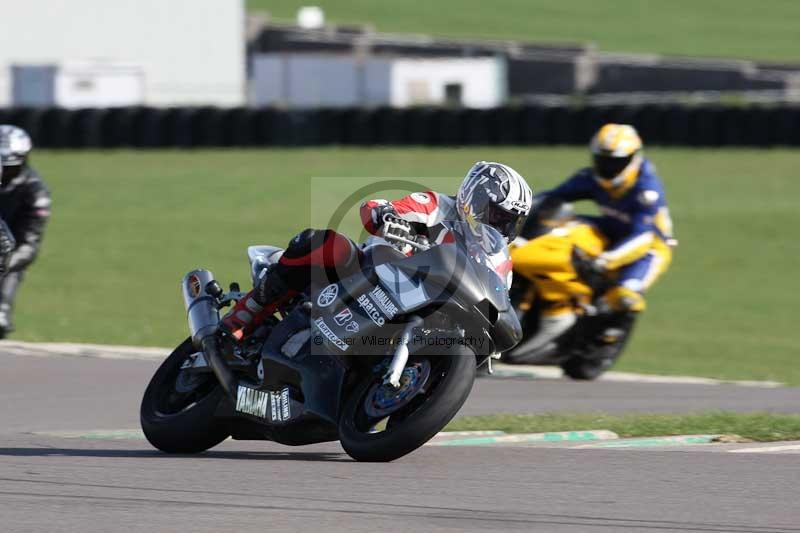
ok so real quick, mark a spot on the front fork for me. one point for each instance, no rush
(400, 358)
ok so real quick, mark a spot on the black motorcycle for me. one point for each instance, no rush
(380, 360)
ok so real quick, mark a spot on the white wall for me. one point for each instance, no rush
(422, 81)
(308, 80)
(190, 51)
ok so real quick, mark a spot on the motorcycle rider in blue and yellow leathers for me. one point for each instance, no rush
(635, 217)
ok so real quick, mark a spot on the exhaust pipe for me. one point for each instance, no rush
(202, 314)
(201, 308)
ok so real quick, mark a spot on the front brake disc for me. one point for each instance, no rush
(383, 400)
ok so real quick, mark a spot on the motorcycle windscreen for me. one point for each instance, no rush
(474, 260)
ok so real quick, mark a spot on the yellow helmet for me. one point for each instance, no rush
(616, 157)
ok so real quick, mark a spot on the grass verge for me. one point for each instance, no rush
(761, 427)
(127, 225)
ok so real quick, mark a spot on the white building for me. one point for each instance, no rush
(476, 82)
(97, 53)
(309, 80)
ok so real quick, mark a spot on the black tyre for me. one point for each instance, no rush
(177, 411)
(445, 382)
(596, 357)
(585, 369)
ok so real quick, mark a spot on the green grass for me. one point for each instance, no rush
(762, 427)
(766, 30)
(127, 225)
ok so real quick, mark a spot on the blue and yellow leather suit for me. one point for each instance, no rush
(635, 218)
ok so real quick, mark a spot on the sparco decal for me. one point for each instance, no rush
(383, 301)
(343, 317)
(328, 295)
(371, 309)
(330, 335)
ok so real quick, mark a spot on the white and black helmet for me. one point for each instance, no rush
(496, 195)
(15, 145)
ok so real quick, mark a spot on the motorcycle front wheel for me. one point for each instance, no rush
(177, 411)
(379, 424)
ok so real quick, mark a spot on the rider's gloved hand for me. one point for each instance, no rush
(379, 212)
(394, 225)
(600, 264)
(590, 269)
(401, 230)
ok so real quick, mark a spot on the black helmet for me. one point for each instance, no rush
(496, 195)
(15, 145)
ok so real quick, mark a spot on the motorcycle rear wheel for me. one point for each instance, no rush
(586, 369)
(600, 358)
(415, 423)
(177, 411)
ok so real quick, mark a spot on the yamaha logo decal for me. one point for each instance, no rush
(328, 295)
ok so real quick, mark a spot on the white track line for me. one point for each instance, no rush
(550, 372)
(767, 449)
(65, 349)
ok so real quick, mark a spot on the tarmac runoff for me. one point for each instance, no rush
(574, 440)
(579, 439)
(501, 370)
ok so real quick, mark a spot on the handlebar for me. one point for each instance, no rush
(418, 245)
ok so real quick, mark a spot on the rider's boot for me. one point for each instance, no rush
(309, 253)
(269, 293)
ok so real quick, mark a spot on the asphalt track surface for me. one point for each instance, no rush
(49, 483)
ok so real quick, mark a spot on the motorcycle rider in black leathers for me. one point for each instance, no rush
(25, 209)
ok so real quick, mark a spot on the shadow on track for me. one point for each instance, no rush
(248, 455)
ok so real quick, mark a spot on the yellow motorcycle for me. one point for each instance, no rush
(558, 301)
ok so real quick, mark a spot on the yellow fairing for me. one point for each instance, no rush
(547, 262)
